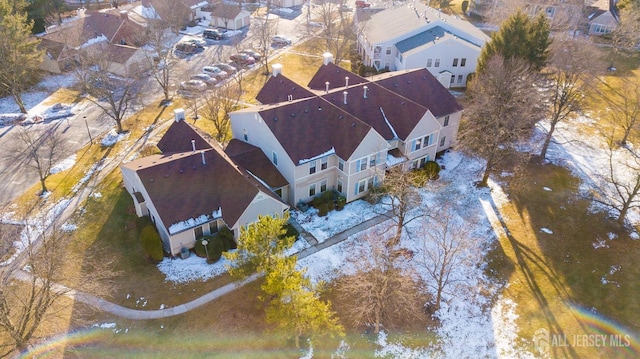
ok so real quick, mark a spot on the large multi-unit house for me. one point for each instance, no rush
(344, 131)
(413, 35)
(341, 132)
(193, 188)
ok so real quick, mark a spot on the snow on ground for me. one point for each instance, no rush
(64, 164)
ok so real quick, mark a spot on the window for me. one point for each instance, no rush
(361, 164)
(386, 66)
(274, 158)
(416, 144)
(455, 62)
(278, 192)
(388, 50)
(323, 163)
(372, 161)
(453, 78)
(463, 62)
(323, 186)
(339, 186)
(419, 163)
(422, 142)
(437, 63)
(550, 11)
(429, 62)
(442, 140)
(366, 184)
(446, 121)
(312, 190)
(312, 167)
(213, 227)
(459, 79)
(361, 186)
(198, 232)
(341, 164)
(245, 135)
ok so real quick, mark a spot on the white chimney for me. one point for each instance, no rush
(290, 98)
(80, 12)
(346, 81)
(276, 69)
(327, 58)
(178, 114)
(204, 162)
(193, 144)
(124, 14)
(365, 88)
(326, 86)
(345, 97)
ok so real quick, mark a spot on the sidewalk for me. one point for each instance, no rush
(135, 314)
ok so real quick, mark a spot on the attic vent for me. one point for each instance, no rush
(402, 102)
(340, 117)
(194, 167)
(319, 108)
(409, 81)
(275, 119)
(166, 175)
(293, 114)
(424, 77)
(306, 110)
(353, 124)
(181, 170)
(395, 85)
(151, 179)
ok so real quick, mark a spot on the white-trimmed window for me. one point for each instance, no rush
(274, 157)
(323, 186)
(323, 163)
(460, 79)
(422, 142)
(312, 167)
(361, 164)
(463, 62)
(341, 164)
(437, 63)
(419, 163)
(446, 121)
(339, 186)
(442, 140)
(245, 135)
(312, 190)
(366, 184)
(429, 61)
(455, 62)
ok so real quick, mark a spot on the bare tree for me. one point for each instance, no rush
(39, 150)
(159, 54)
(627, 34)
(114, 95)
(264, 29)
(193, 100)
(573, 67)
(622, 96)
(505, 104)
(624, 178)
(217, 107)
(338, 33)
(380, 290)
(32, 289)
(445, 246)
(173, 15)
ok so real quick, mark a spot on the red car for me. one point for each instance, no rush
(362, 3)
(242, 59)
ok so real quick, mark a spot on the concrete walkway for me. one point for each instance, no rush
(136, 314)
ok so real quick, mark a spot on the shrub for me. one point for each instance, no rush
(291, 231)
(215, 247)
(142, 222)
(340, 202)
(323, 209)
(227, 238)
(151, 243)
(198, 247)
(432, 170)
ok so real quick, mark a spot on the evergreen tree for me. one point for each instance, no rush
(19, 53)
(519, 37)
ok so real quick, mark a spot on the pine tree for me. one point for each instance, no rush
(519, 37)
(19, 53)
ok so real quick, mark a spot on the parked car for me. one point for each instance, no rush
(280, 40)
(210, 81)
(347, 8)
(242, 59)
(193, 85)
(212, 34)
(226, 68)
(256, 55)
(187, 48)
(198, 42)
(362, 3)
(215, 72)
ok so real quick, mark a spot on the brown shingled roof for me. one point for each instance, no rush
(278, 88)
(422, 87)
(307, 128)
(181, 187)
(226, 11)
(178, 139)
(335, 75)
(252, 159)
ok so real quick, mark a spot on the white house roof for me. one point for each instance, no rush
(429, 37)
(397, 22)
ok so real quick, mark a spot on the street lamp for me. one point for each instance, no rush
(204, 243)
(88, 131)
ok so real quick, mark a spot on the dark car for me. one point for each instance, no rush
(256, 55)
(242, 59)
(226, 67)
(212, 34)
(187, 48)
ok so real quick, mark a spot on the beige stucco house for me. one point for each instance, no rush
(343, 131)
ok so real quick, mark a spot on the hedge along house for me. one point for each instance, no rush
(343, 131)
(193, 189)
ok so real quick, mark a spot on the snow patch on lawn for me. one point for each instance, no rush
(64, 164)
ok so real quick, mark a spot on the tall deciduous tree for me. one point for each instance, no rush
(20, 57)
(506, 103)
(217, 107)
(294, 305)
(380, 290)
(519, 37)
(627, 34)
(265, 28)
(622, 96)
(573, 67)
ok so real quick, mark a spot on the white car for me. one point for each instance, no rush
(193, 85)
(280, 40)
(214, 72)
(210, 81)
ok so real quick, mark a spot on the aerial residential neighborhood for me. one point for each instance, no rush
(315, 179)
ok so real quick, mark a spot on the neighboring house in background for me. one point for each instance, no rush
(287, 3)
(112, 33)
(413, 35)
(193, 188)
(229, 16)
(344, 131)
(604, 17)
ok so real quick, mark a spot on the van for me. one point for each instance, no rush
(212, 34)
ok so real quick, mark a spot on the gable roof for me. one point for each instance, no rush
(178, 139)
(182, 186)
(278, 88)
(252, 159)
(226, 11)
(307, 128)
(335, 75)
(421, 87)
